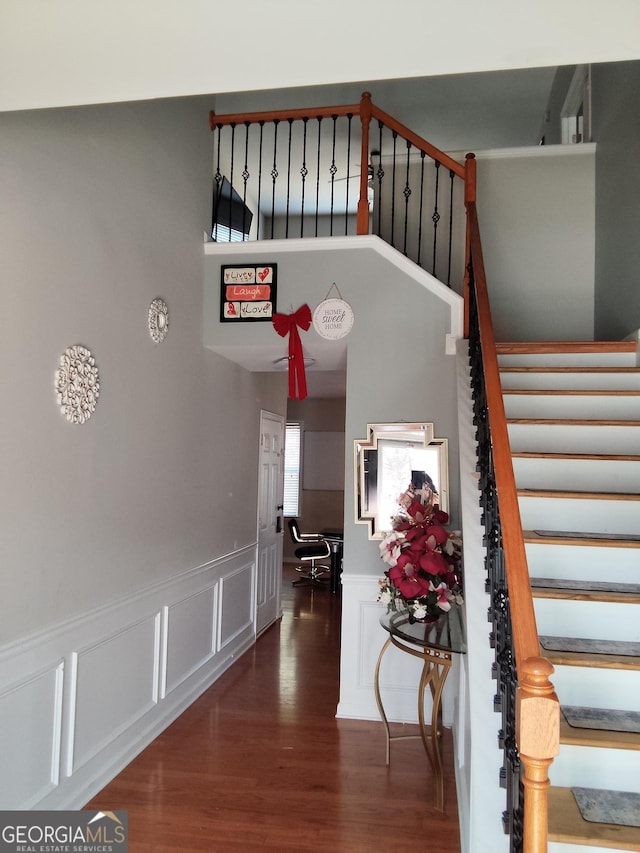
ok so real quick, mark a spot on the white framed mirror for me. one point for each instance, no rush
(387, 462)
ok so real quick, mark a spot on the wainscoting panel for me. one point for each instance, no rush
(83, 698)
(237, 604)
(30, 715)
(190, 636)
(362, 640)
(115, 686)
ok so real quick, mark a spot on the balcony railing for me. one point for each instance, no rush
(354, 169)
(525, 696)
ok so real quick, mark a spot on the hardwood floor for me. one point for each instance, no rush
(260, 762)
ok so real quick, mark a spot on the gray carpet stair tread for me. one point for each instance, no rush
(601, 647)
(602, 718)
(621, 808)
(567, 534)
(586, 586)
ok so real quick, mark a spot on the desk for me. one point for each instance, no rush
(335, 537)
(434, 643)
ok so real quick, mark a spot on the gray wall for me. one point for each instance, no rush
(103, 209)
(397, 369)
(537, 216)
(616, 115)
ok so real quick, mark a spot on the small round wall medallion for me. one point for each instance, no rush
(158, 320)
(77, 384)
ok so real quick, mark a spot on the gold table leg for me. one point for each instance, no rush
(435, 669)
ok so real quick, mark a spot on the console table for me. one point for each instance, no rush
(434, 643)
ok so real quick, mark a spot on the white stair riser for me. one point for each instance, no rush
(596, 687)
(589, 620)
(584, 515)
(560, 847)
(568, 359)
(612, 769)
(581, 562)
(574, 438)
(576, 685)
(573, 381)
(589, 407)
(603, 475)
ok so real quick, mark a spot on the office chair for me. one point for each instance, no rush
(313, 547)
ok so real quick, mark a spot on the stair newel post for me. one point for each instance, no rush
(362, 222)
(469, 198)
(538, 737)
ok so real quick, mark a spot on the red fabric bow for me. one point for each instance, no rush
(287, 324)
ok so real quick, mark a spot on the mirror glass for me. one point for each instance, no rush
(387, 461)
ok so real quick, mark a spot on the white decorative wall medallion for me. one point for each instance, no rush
(77, 384)
(158, 320)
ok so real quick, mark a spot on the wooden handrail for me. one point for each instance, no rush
(537, 706)
(281, 115)
(367, 111)
(417, 141)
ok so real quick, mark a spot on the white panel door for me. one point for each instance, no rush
(270, 537)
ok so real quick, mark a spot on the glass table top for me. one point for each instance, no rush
(446, 633)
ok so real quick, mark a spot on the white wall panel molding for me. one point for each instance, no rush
(237, 603)
(363, 638)
(31, 713)
(84, 697)
(192, 617)
(115, 680)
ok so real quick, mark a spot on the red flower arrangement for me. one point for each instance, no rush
(424, 558)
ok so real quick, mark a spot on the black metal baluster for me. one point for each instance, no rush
(407, 194)
(451, 177)
(286, 221)
(318, 173)
(422, 156)
(380, 176)
(332, 171)
(303, 173)
(245, 178)
(233, 135)
(346, 203)
(274, 173)
(260, 176)
(393, 190)
(217, 177)
(435, 218)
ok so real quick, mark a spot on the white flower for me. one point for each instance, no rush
(419, 610)
(390, 548)
(385, 596)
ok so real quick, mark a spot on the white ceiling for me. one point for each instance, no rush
(74, 52)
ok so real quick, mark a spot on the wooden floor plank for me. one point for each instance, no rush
(261, 762)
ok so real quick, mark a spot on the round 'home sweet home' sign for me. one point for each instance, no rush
(333, 319)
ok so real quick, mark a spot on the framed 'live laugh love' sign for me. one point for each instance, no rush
(248, 293)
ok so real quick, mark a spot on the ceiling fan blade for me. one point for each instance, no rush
(343, 178)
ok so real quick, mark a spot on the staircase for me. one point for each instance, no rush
(573, 413)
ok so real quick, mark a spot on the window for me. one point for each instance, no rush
(292, 468)
(232, 218)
